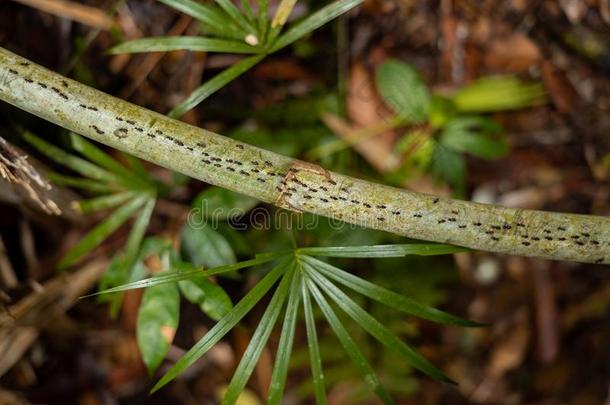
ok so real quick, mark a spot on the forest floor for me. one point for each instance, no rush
(547, 342)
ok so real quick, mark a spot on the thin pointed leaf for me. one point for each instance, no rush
(101, 232)
(387, 297)
(282, 13)
(315, 21)
(223, 326)
(195, 44)
(263, 24)
(376, 328)
(349, 345)
(247, 8)
(236, 15)
(188, 273)
(136, 234)
(314, 348)
(104, 202)
(77, 164)
(212, 85)
(284, 347)
(209, 15)
(97, 156)
(136, 165)
(84, 184)
(259, 339)
(279, 19)
(377, 251)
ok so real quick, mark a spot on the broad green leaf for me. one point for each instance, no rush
(403, 89)
(223, 326)
(349, 345)
(101, 232)
(211, 16)
(498, 94)
(210, 297)
(97, 156)
(215, 83)
(314, 21)
(157, 322)
(284, 347)
(258, 340)
(77, 164)
(441, 111)
(421, 249)
(376, 328)
(450, 166)
(82, 183)
(203, 246)
(186, 272)
(385, 296)
(104, 202)
(195, 44)
(315, 360)
(475, 135)
(219, 204)
(417, 148)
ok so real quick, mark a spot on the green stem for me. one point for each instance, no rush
(294, 184)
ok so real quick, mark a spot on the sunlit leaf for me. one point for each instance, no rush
(497, 94)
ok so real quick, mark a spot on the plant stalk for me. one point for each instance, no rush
(294, 184)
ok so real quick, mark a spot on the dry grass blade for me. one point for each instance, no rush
(86, 15)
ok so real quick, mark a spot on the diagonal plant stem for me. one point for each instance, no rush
(294, 184)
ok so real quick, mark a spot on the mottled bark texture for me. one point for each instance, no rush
(294, 184)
